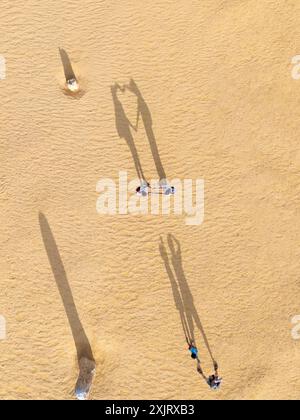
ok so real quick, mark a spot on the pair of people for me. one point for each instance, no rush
(145, 189)
(213, 381)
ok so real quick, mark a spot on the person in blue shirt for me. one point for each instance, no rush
(193, 349)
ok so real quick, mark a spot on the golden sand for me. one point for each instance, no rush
(216, 77)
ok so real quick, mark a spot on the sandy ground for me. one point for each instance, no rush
(216, 77)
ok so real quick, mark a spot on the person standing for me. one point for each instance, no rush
(213, 381)
(194, 351)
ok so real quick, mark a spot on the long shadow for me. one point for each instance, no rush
(82, 344)
(68, 69)
(124, 126)
(189, 336)
(182, 295)
(144, 112)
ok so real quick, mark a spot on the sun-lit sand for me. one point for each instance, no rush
(215, 78)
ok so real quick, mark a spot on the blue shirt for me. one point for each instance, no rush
(194, 351)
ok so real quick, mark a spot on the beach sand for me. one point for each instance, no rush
(216, 77)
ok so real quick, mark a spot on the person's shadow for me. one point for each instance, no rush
(68, 69)
(124, 126)
(144, 112)
(85, 356)
(182, 295)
